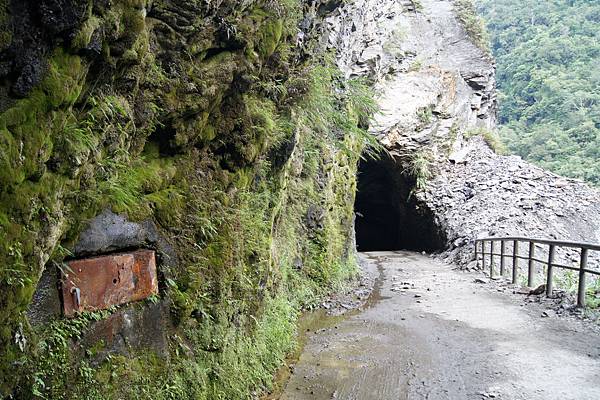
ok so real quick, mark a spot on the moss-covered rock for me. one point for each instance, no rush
(201, 120)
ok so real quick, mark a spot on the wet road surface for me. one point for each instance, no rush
(430, 332)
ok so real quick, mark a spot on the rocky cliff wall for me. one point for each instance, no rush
(428, 73)
(209, 132)
(436, 88)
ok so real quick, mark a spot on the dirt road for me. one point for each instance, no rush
(430, 332)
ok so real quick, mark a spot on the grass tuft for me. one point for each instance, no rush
(473, 24)
(491, 138)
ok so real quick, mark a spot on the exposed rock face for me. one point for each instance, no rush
(436, 89)
(488, 195)
(423, 65)
(109, 232)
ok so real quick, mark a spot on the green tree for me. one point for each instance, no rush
(548, 54)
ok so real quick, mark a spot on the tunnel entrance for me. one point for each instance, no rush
(387, 216)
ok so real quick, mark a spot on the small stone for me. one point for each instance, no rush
(549, 314)
(538, 290)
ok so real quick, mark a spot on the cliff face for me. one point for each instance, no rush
(435, 85)
(204, 131)
(429, 75)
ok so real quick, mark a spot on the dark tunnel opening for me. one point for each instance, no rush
(388, 217)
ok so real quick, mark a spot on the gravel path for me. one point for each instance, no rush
(430, 332)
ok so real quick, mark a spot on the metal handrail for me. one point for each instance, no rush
(515, 256)
(578, 245)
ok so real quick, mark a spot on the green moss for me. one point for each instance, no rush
(270, 37)
(30, 203)
(229, 374)
(209, 133)
(64, 81)
(137, 187)
(52, 372)
(84, 36)
(5, 28)
(248, 260)
(26, 127)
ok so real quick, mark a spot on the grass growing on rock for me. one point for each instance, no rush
(491, 138)
(473, 24)
(245, 159)
(419, 168)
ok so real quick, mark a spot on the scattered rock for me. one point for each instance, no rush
(488, 395)
(523, 290)
(541, 289)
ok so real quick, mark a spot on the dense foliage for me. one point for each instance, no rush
(548, 54)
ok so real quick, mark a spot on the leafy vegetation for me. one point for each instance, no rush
(420, 169)
(425, 115)
(474, 25)
(548, 54)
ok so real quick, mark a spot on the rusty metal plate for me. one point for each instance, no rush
(97, 283)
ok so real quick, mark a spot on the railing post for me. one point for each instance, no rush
(515, 266)
(531, 263)
(502, 251)
(476, 254)
(549, 280)
(492, 259)
(582, 268)
(483, 255)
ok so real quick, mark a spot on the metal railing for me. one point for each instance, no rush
(515, 256)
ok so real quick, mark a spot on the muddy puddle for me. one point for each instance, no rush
(313, 322)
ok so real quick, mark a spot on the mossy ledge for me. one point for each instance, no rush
(209, 122)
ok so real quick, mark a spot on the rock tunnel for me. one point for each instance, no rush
(388, 217)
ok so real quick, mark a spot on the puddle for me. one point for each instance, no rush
(316, 320)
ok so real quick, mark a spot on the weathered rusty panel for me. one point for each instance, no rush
(100, 282)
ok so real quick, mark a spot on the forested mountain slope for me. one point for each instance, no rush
(548, 54)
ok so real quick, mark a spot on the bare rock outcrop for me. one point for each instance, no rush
(436, 90)
(488, 195)
(428, 74)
